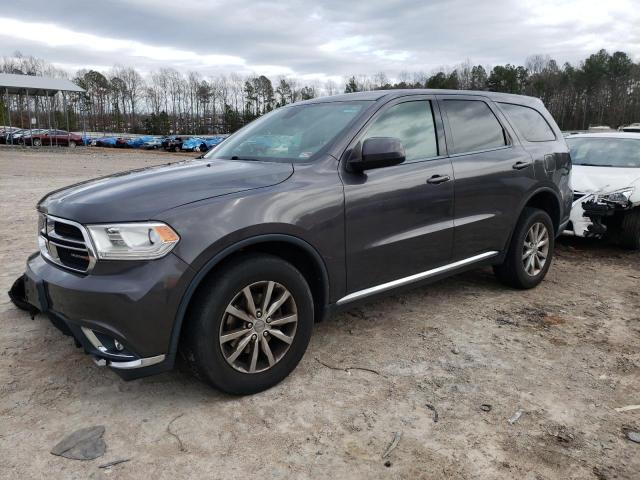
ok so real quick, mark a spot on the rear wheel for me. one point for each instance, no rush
(72, 144)
(630, 235)
(250, 325)
(36, 142)
(530, 252)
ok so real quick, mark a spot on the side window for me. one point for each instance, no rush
(412, 123)
(474, 127)
(529, 122)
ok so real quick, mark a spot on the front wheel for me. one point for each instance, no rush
(250, 325)
(530, 252)
(630, 236)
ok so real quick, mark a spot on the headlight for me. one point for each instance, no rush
(133, 241)
(621, 196)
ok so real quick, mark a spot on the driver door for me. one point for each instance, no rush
(399, 219)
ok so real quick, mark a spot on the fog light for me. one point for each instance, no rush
(118, 345)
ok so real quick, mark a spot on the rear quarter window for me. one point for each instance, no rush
(529, 122)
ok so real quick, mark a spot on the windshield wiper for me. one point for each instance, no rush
(248, 159)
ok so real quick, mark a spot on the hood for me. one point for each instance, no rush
(141, 194)
(588, 179)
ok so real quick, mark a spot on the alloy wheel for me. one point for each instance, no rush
(535, 249)
(258, 327)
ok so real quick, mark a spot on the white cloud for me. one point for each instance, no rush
(330, 39)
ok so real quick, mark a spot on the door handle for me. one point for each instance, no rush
(437, 179)
(520, 165)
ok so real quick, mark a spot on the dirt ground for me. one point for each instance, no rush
(565, 354)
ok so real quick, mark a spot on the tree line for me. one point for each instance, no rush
(603, 89)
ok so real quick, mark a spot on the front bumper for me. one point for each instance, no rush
(592, 218)
(579, 225)
(123, 316)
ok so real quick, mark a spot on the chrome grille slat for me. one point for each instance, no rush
(77, 249)
(60, 243)
(53, 236)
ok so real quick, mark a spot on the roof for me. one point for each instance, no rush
(374, 95)
(614, 134)
(36, 85)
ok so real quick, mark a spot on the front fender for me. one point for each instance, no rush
(220, 256)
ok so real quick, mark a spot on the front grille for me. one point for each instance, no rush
(65, 243)
(67, 230)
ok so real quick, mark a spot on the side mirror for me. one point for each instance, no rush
(377, 152)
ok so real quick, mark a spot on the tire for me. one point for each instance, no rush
(516, 271)
(208, 321)
(630, 231)
(36, 142)
(72, 144)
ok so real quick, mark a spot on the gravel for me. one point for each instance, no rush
(567, 353)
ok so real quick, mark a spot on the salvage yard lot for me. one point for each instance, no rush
(565, 354)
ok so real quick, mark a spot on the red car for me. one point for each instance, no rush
(53, 137)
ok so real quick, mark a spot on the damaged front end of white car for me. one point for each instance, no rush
(593, 211)
(606, 184)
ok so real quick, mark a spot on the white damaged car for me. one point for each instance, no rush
(606, 186)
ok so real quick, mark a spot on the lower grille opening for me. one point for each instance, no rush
(76, 259)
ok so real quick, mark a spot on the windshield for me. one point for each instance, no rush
(291, 134)
(605, 152)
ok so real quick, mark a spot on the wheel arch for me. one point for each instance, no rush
(296, 251)
(546, 199)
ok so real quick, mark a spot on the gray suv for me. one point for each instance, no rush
(230, 259)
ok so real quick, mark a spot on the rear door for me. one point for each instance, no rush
(399, 219)
(545, 144)
(492, 170)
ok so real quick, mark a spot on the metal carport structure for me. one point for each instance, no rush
(37, 86)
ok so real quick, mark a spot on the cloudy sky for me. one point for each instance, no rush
(314, 39)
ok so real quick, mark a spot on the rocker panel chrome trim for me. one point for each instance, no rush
(414, 278)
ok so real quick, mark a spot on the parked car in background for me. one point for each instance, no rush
(606, 184)
(600, 129)
(16, 137)
(174, 143)
(52, 138)
(211, 142)
(200, 144)
(307, 210)
(166, 140)
(193, 144)
(633, 128)
(8, 136)
(121, 142)
(4, 131)
(153, 143)
(138, 142)
(105, 142)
